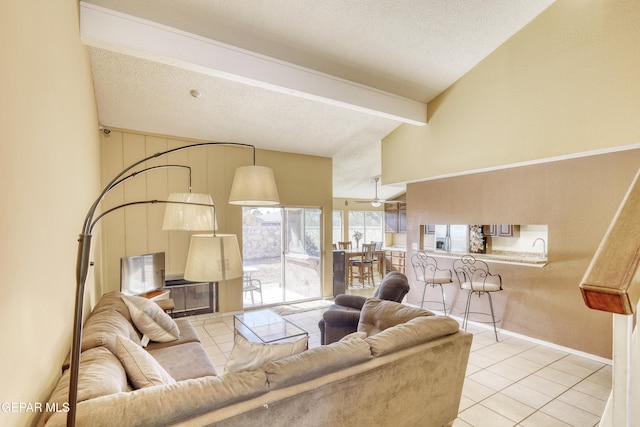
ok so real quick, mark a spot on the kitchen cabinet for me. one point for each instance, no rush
(391, 222)
(501, 230)
(508, 230)
(396, 261)
(395, 218)
(490, 230)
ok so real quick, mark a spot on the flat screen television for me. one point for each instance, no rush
(141, 273)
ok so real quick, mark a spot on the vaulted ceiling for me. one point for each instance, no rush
(329, 78)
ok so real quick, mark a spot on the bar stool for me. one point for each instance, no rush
(427, 272)
(475, 278)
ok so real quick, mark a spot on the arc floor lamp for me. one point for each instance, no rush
(212, 257)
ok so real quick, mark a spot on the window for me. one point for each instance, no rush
(368, 223)
(337, 226)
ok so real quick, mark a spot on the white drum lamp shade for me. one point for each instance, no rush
(181, 214)
(254, 186)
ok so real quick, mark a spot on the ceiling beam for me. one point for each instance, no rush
(130, 35)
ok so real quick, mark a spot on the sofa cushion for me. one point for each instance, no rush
(378, 315)
(100, 374)
(316, 362)
(184, 361)
(101, 328)
(416, 331)
(151, 320)
(187, 334)
(112, 301)
(142, 369)
(248, 355)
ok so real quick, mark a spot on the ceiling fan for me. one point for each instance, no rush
(375, 202)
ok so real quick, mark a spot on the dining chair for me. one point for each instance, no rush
(345, 246)
(427, 272)
(474, 277)
(363, 265)
(378, 258)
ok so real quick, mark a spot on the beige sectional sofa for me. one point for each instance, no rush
(404, 367)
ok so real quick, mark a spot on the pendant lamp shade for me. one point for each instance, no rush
(213, 258)
(254, 185)
(179, 215)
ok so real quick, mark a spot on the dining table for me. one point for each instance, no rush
(378, 255)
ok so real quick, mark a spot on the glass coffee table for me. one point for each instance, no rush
(266, 326)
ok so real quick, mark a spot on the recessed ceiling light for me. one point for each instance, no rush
(195, 93)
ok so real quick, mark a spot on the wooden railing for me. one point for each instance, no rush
(612, 284)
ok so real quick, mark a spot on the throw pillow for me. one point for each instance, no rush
(142, 369)
(151, 320)
(247, 355)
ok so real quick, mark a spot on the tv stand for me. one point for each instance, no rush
(191, 298)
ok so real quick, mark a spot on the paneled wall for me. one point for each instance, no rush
(302, 181)
(577, 199)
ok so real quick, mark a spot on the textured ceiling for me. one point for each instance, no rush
(409, 48)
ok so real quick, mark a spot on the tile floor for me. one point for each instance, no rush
(513, 382)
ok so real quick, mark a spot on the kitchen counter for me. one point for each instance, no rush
(516, 258)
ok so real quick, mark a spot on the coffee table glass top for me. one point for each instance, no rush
(267, 326)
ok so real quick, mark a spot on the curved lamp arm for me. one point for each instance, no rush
(84, 251)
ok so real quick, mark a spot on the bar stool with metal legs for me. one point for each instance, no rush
(475, 278)
(427, 272)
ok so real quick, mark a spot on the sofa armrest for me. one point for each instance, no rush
(336, 324)
(341, 317)
(353, 301)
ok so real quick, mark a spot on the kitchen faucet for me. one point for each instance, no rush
(544, 246)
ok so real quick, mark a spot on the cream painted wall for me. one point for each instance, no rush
(48, 178)
(303, 181)
(567, 83)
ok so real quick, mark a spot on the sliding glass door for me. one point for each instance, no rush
(281, 255)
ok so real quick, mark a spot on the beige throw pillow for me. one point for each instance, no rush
(248, 355)
(151, 320)
(142, 369)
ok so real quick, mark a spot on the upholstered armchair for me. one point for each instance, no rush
(342, 317)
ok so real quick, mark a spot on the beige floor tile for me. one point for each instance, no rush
(602, 377)
(460, 423)
(540, 419)
(558, 376)
(476, 391)
(480, 360)
(496, 352)
(543, 385)
(481, 416)
(523, 364)
(593, 389)
(543, 355)
(569, 414)
(471, 369)
(465, 403)
(491, 380)
(508, 370)
(508, 407)
(527, 396)
(571, 366)
(583, 401)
